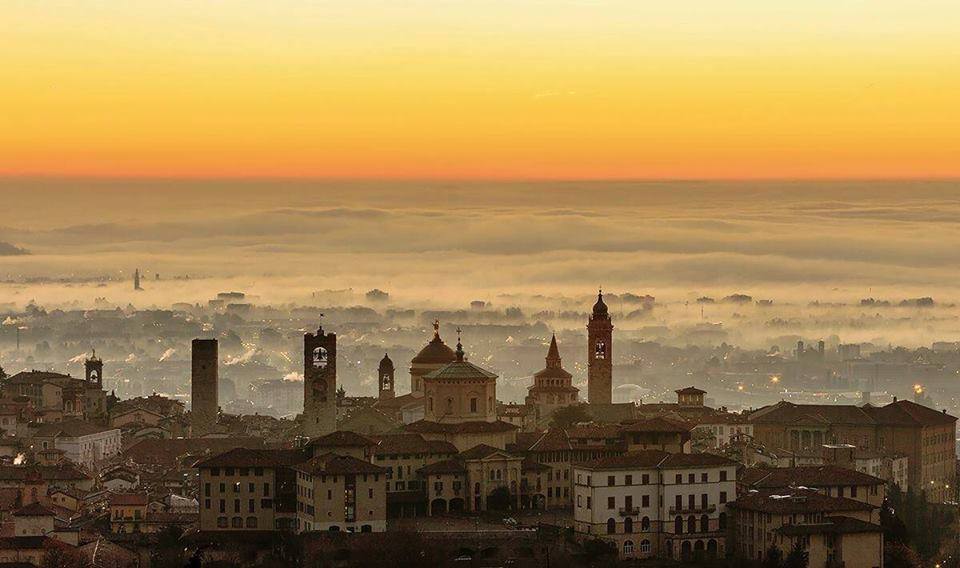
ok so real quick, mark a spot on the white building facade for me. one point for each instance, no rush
(656, 504)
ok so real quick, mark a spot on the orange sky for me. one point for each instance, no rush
(499, 89)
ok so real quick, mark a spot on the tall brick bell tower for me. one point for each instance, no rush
(600, 354)
(319, 383)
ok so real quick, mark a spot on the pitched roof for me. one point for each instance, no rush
(60, 472)
(656, 424)
(900, 413)
(33, 510)
(909, 412)
(832, 525)
(481, 451)
(460, 370)
(70, 429)
(452, 465)
(167, 452)
(478, 427)
(806, 476)
(796, 501)
(334, 464)
(649, 459)
(245, 457)
(341, 439)
(690, 390)
(411, 443)
(129, 499)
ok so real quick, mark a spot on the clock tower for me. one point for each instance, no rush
(600, 354)
(319, 383)
(385, 375)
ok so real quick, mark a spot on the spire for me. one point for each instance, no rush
(600, 308)
(459, 347)
(436, 330)
(553, 354)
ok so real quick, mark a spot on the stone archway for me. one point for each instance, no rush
(686, 551)
(712, 549)
(438, 507)
(698, 550)
(457, 505)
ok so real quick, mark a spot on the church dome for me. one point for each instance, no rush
(600, 308)
(436, 352)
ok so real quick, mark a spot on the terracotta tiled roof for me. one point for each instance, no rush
(453, 465)
(797, 501)
(480, 452)
(244, 457)
(656, 424)
(167, 452)
(412, 443)
(832, 525)
(333, 464)
(129, 499)
(341, 439)
(806, 476)
(33, 510)
(656, 459)
(478, 427)
(70, 429)
(63, 472)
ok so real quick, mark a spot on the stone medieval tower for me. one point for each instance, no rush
(385, 375)
(94, 370)
(204, 382)
(319, 383)
(600, 354)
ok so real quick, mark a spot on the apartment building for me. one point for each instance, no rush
(835, 531)
(246, 489)
(926, 437)
(653, 503)
(830, 480)
(340, 493)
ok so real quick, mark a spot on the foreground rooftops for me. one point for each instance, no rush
(245, 457)
(807, 476)
(655, 459)
(478, 427)
(334, 464)
(796, 500)
(899, 413)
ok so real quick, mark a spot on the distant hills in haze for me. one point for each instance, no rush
(7, 249)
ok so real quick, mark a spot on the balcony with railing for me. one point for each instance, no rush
(629, 511)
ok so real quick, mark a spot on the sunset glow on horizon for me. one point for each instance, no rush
(580, 89)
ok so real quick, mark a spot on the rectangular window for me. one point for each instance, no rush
(703, 501)
(473, 405)
(236, 505)
(679, 479)
(691, 478)
(206, 489)
(645, 479)
(588, 502)
(679, 502)
(611, 502)
(266, 489)
(704, 477)
(723, 475)
(723, 496)
(250, 506)
(645, 500)
(611, 480)
(223, 506)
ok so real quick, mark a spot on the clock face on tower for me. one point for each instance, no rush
(320, 357)
(601, 351)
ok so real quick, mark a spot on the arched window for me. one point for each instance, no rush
(678, 525)
(645, 546)
(627, 547)
(628, 525)
(645, 524)
(704, 523)
(691, 524)
(723, 521)
(251, 522)
(611, 526)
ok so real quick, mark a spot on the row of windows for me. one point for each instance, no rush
(237, 522)
(704, 477)
(251, 505)
(237, 487)
(242, 471)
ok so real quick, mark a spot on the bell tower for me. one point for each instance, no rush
(319, 383)
(600, 354)
(94, 370)
(385, 375)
